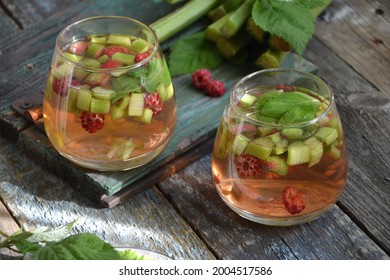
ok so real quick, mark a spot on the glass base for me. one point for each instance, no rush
(118, 165)
(277, 221)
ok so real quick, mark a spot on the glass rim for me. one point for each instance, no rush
(127, 67)
(234, 92)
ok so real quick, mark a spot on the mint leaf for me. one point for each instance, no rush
(126, 83)
(83, 246)
(299, 114)
(153, 77)
(282, 103)
(291, 20)
(192, 53)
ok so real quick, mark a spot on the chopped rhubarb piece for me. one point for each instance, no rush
(111, 64)
(79, 47)
(110, 51)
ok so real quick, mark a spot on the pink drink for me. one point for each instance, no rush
(109, 101)
(276, 163)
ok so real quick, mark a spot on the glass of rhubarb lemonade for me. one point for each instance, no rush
(279, 156)
(109, 103)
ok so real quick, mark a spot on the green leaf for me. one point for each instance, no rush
(299, 114)
(264, 98)
(291, 20)
(45, 234)
(83, 246)
(192, 53)
(27, 241)
(131, 255)
(126, 83)
(282, 103)
(154, 76)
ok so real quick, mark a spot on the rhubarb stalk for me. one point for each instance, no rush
(178, 20)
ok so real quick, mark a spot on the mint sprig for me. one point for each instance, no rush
(292, 20)
(58, 244)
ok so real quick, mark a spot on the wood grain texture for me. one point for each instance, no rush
(8, 226)
(8, 25)
(29, 12)
(333, 236)
(36, 198)
(359, 32)
(365, 114)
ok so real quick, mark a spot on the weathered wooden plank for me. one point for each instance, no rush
(29, 12)
(38, 198)
(8, 226)
(359, 32)
(332, 236)
(8, 25)
(365, 114)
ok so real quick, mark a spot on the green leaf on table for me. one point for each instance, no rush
(292, 20)
(131, 255)
(191, 53)
(83, 246)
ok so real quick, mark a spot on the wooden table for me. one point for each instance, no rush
(183, 216)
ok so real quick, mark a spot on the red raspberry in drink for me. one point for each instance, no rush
(154, 102)
(92, 122)
(248, 166)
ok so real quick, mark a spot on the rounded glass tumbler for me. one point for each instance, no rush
(109, 102)
(279, 156)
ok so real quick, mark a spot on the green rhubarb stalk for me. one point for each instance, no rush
(237, 19)
(230, 47)
(223, 9)
(176, 21)
(257, 33)
(270, 59)
(213, 31)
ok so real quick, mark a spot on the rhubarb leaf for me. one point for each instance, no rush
(191, 53)
(290, 19)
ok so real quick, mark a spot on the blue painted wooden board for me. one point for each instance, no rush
(197, 120)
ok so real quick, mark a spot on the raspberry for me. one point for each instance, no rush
(154, 102)
(141, 56)
(201, 78)
(292, 200)
(110, 51)
(92, 122)
(61, 87)
(216, 88)
(248, 165)
(111, 64)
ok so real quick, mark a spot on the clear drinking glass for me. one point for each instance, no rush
(109, 102)
(279, 156)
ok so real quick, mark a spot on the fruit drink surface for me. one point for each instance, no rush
(109, 98)
(279, 152)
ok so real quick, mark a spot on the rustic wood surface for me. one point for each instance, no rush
(183, 216)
